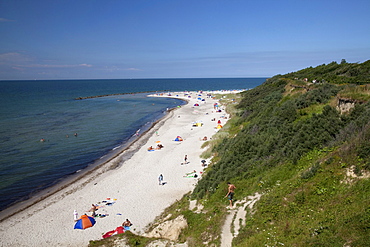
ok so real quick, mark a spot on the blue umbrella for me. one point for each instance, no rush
(85, 222)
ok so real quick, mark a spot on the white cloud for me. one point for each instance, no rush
(13, 57)
(17, 68)
(5, 20)
(85, 65)
(115, 68)
(21, 60)
(132, 69)
(55, 65)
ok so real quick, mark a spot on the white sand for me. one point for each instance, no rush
(134, 184)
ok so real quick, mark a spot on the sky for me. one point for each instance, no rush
(122, 39)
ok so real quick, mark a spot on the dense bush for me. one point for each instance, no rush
(317, 96)
(290, 145)
(294, 147)
(336, 73)
(274, 131)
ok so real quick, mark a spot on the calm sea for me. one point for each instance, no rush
(35, 110)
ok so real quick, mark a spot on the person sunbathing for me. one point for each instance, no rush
(93, 209)
(150, 148)
(127, 223)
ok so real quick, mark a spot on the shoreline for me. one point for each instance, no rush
(132, 184)
(100, 163)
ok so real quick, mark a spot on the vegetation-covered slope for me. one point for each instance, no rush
(306, 148)
(296, 148)
(278, 127)
(335, 73)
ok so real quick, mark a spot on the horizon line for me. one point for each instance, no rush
(164, 78)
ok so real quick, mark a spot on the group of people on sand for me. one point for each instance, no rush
(218, 121)
(93, 209)
(126, 224)
(159, 147)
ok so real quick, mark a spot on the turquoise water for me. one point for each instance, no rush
(35, 110)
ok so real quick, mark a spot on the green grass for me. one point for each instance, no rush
(309, 111)
(297, 160)
(360, 93)
(128, 237)
(320, 210)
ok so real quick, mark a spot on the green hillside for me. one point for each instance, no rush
(291, 144)
(335, 73)
(305, 147)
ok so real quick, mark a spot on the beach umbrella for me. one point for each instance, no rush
(178, 139)
(85, 222)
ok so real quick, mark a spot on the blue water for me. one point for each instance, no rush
(35, 110)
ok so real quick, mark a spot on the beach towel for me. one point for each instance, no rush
(109, 234)
(191, 176)
(118, 230)
(189, 173)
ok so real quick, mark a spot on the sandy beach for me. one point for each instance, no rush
(130, 191)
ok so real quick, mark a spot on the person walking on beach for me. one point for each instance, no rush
(230, 193)
(186, 159)
(160, 179)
